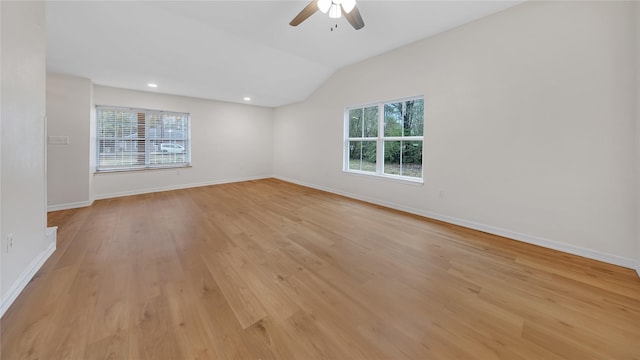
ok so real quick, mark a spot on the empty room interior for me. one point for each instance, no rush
(320, 179)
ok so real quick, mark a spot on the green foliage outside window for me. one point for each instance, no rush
(403, 119)
(402, 138)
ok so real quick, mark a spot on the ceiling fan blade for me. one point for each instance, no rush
(305, 13)
(354, 18)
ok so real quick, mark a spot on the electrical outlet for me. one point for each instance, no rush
(441, 194)
(9, 242)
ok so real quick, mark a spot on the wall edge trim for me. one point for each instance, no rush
(179, 187)
(24, 279)
(529, 239)
(74, 205)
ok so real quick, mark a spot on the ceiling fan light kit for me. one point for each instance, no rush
(324, 5)
(334, 12)
(348, 5)
(335, 8)
(334, 5)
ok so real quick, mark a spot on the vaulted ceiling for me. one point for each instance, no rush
(228, 50)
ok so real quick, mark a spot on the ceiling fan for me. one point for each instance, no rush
(336, 8)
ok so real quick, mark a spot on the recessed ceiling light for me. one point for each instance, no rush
(246, 98)
(152, 85)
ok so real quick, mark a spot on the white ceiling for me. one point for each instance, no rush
(226, 50)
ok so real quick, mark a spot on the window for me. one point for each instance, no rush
(139, 139)
(385, 139)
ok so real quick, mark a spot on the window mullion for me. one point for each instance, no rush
(345, 129)
(401, 154)
(147, 146)
(380, 141)
(140, 135)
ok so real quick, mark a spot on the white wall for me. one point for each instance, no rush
(529, 118)
(92, 144)
(230, 142)
(637, 94)
(68, 114)
(23, 203)
(1, 241)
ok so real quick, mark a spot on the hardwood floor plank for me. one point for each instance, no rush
(151, 333)
(309, 341)
(271, 270)
(270, 335)
(208, 304)
(340, 317)
(237, 290)
(275, 302)
(111, 347)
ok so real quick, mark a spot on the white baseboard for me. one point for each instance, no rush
(535, 240)
(30, 271)
(68, 206)
(178, 187)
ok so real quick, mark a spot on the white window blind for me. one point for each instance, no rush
(138, 139)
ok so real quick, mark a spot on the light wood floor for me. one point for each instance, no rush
(266, 269)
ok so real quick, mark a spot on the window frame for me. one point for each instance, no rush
(380, 140)
(148, 141)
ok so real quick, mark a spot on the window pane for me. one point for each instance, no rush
(371, 121)
(155, 126)
(355, 155)
(369, 156)
(124, 153)
(118, 138)
(393, 119)
(362, 155)
(404, 118)
(414, 118)
(139, 138)
(174, 128)
(392, 156)
(412, 159)
(168, 152)
(117, 124)
(168, 134)
(355, 123)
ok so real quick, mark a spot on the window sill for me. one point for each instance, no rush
(398, 179)
(125, 170)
